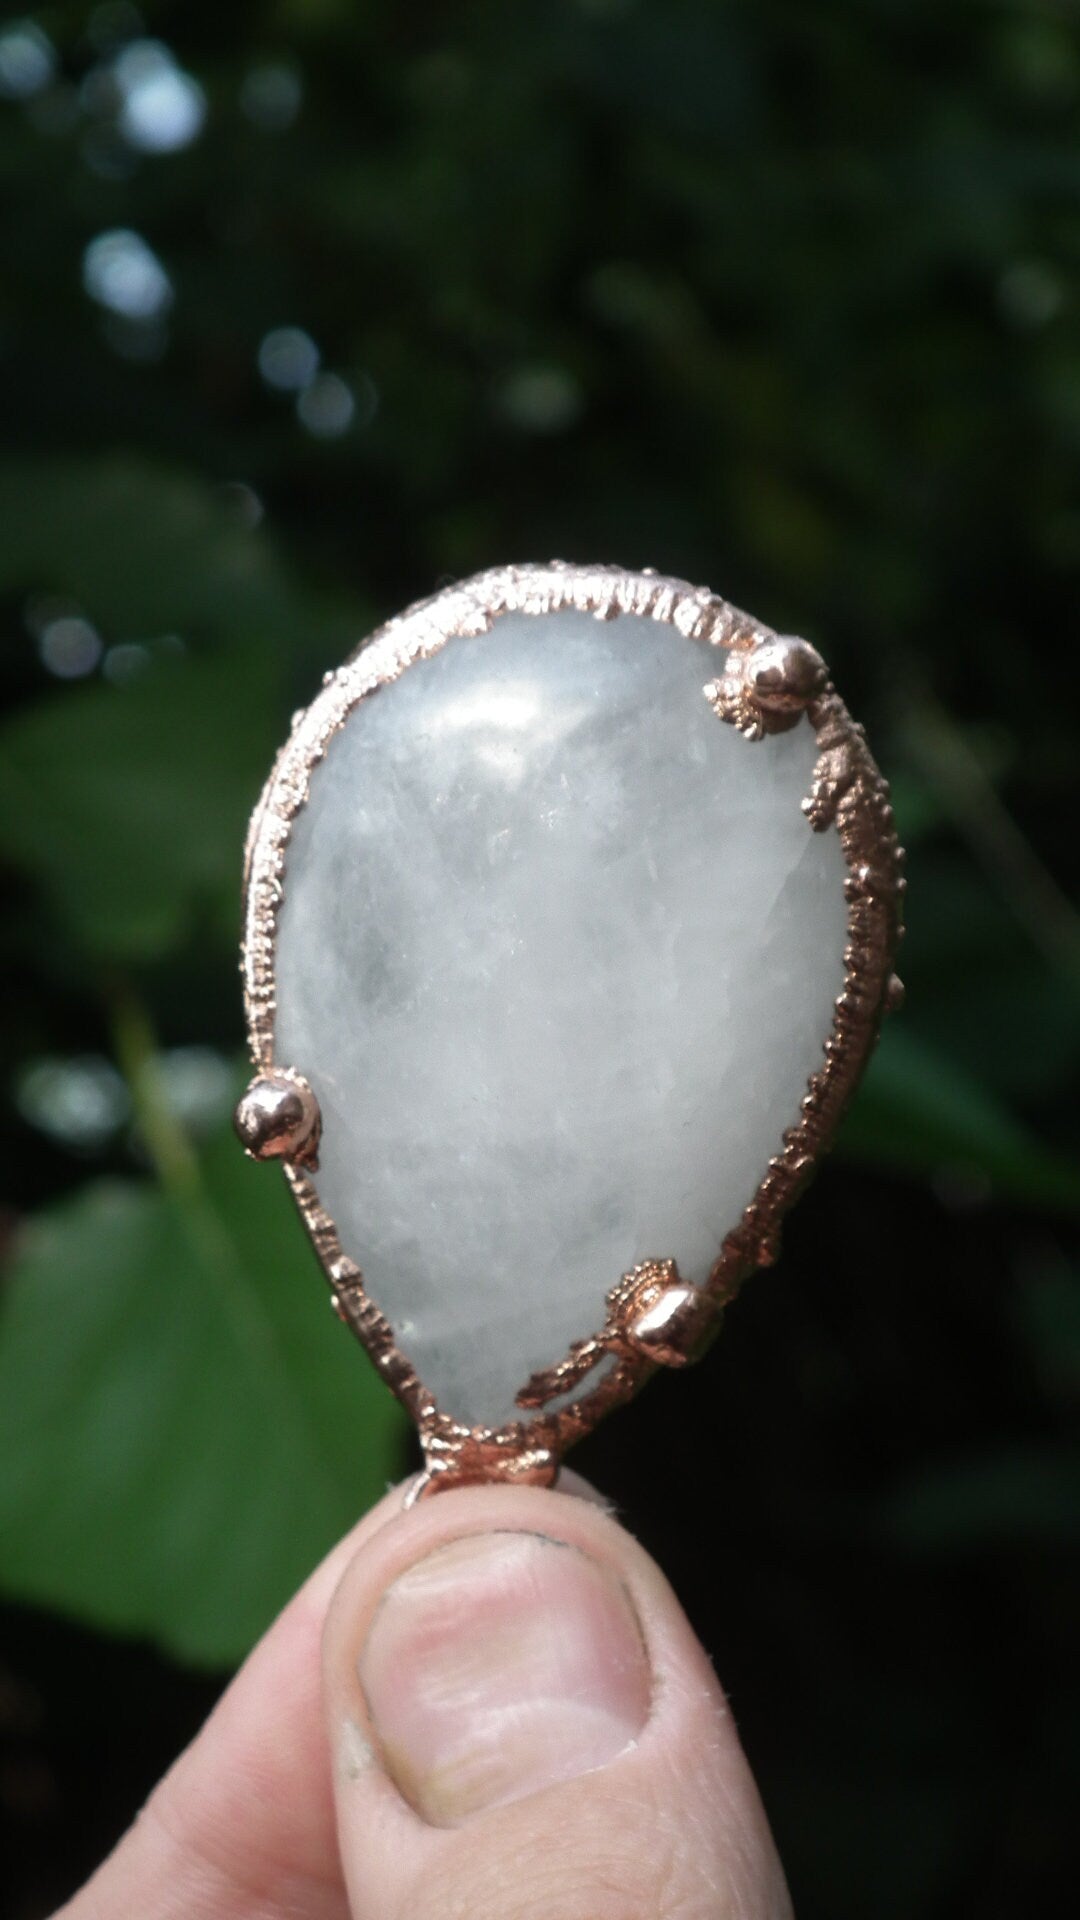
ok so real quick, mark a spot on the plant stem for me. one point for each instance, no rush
(166, 1142)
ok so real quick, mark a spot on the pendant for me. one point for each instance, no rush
(571, 907)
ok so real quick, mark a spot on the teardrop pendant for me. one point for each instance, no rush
(571, 907)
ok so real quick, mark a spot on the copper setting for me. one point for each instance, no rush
(277, 1118)
(672, 1324)
(653, 1317)
(766, 683)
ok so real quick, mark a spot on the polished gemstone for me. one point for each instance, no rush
(558, 954)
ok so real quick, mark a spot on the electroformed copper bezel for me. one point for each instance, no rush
(757, 681)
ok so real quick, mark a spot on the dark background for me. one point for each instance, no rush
(782, 297)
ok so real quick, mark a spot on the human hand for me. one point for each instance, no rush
(488, 1706)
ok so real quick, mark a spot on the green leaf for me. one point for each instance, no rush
(142, 548)
(128, 805)
(919, 1111)
(185, 1428)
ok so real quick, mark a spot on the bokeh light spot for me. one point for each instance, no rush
(288, 359)
(69, 647)
(327, 407)
(162, 108)
(125, 664)
(27, 60)
(122, 273)
(80, 1102)
(199, 1085)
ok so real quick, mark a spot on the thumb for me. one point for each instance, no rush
(524, 1725)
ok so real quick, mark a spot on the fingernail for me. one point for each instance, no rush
(500, 1664)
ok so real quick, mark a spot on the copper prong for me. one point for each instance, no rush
(278, 1118)
(785, 674)
(674, 1327)
(765, 687)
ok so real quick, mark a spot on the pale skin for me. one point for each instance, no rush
(485, 1706)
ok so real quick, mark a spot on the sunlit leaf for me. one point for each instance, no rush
(184, 1425)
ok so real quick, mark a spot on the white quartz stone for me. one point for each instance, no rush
(558, 954)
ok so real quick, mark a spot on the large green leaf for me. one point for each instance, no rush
(127, 806)
(144, 549)
(184, 1426)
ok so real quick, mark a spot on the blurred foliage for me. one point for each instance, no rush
(308, 304)
(182, 1433)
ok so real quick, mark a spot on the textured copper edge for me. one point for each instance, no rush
(847, 791)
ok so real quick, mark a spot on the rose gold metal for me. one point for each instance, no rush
(652, 1316)
(278, 1118)
(675, 1327)
(767, 683)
